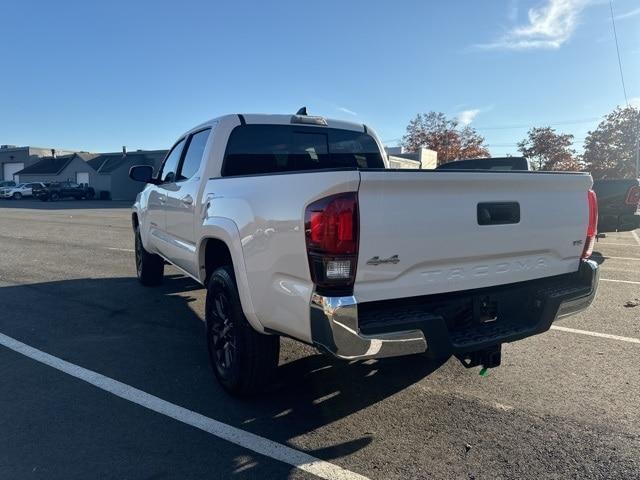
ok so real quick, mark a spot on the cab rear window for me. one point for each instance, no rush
(259, 149)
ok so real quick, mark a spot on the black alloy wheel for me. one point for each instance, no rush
(222, 341)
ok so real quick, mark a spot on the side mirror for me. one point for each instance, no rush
(142, 173)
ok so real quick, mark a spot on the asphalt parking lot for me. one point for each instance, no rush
(563, 405)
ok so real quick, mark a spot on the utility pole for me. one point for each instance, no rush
(638, 146)
(638, 152)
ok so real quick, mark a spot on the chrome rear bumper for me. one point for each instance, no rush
(407, 326)
(334, 328)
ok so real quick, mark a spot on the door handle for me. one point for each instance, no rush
(206, 205)
(187, 200)
(209, 198)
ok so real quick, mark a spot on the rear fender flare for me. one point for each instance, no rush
(226, 230)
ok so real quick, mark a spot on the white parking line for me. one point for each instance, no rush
(605, 244)
(121, 249)
(622, 258)
(596, 334)
(619, 281)
(635, 235)
(244, 439)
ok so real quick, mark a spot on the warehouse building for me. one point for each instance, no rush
(107, 173)
(13, 159)
(113, 171)
(60, 168)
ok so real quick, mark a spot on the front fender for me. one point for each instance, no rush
(137, 214)
(139, 209)
(226, 230)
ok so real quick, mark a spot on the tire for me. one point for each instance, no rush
(17, 196)
(149, 267)
(54, 196)
(243, 360)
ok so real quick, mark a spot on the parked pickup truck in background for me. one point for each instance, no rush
(296, 227)
(618, 199)
(491, 163)
(59, 190)
(618, 203)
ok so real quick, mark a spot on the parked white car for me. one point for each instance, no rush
(19, 191)
(296, 227)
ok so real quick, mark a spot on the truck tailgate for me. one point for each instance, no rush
(430, 232)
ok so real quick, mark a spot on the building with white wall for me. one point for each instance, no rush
(422, 159)
(14, 158)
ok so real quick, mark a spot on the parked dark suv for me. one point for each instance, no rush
(59, 190)
(618, 204)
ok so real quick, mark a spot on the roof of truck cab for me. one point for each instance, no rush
(276, 119)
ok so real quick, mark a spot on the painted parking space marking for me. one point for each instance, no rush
(619, 281)
(635, 235)
(121, 249)
(596, 334)
(622, 258)
(606, 244)
(242, 438)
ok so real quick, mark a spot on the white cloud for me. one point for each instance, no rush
(465, 117)
(629, 14)
(549, 26)
(346, 110)
(634, 102)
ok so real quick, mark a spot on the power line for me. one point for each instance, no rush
(515, 145)
(615, 35)
(517, 127)
(577, 141)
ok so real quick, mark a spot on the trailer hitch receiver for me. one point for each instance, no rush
(487, 358)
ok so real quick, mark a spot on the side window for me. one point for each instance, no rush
(353, 148)
(170, 165)
(193, 157)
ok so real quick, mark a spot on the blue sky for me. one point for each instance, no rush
(99, 75)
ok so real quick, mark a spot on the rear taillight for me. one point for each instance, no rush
(331, 230)
(592, 228)
(633, 196)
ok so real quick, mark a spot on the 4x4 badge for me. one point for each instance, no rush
(378, 261)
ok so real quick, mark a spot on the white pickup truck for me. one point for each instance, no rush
(296, 227)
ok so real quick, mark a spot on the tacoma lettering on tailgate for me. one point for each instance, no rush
(478, 271)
